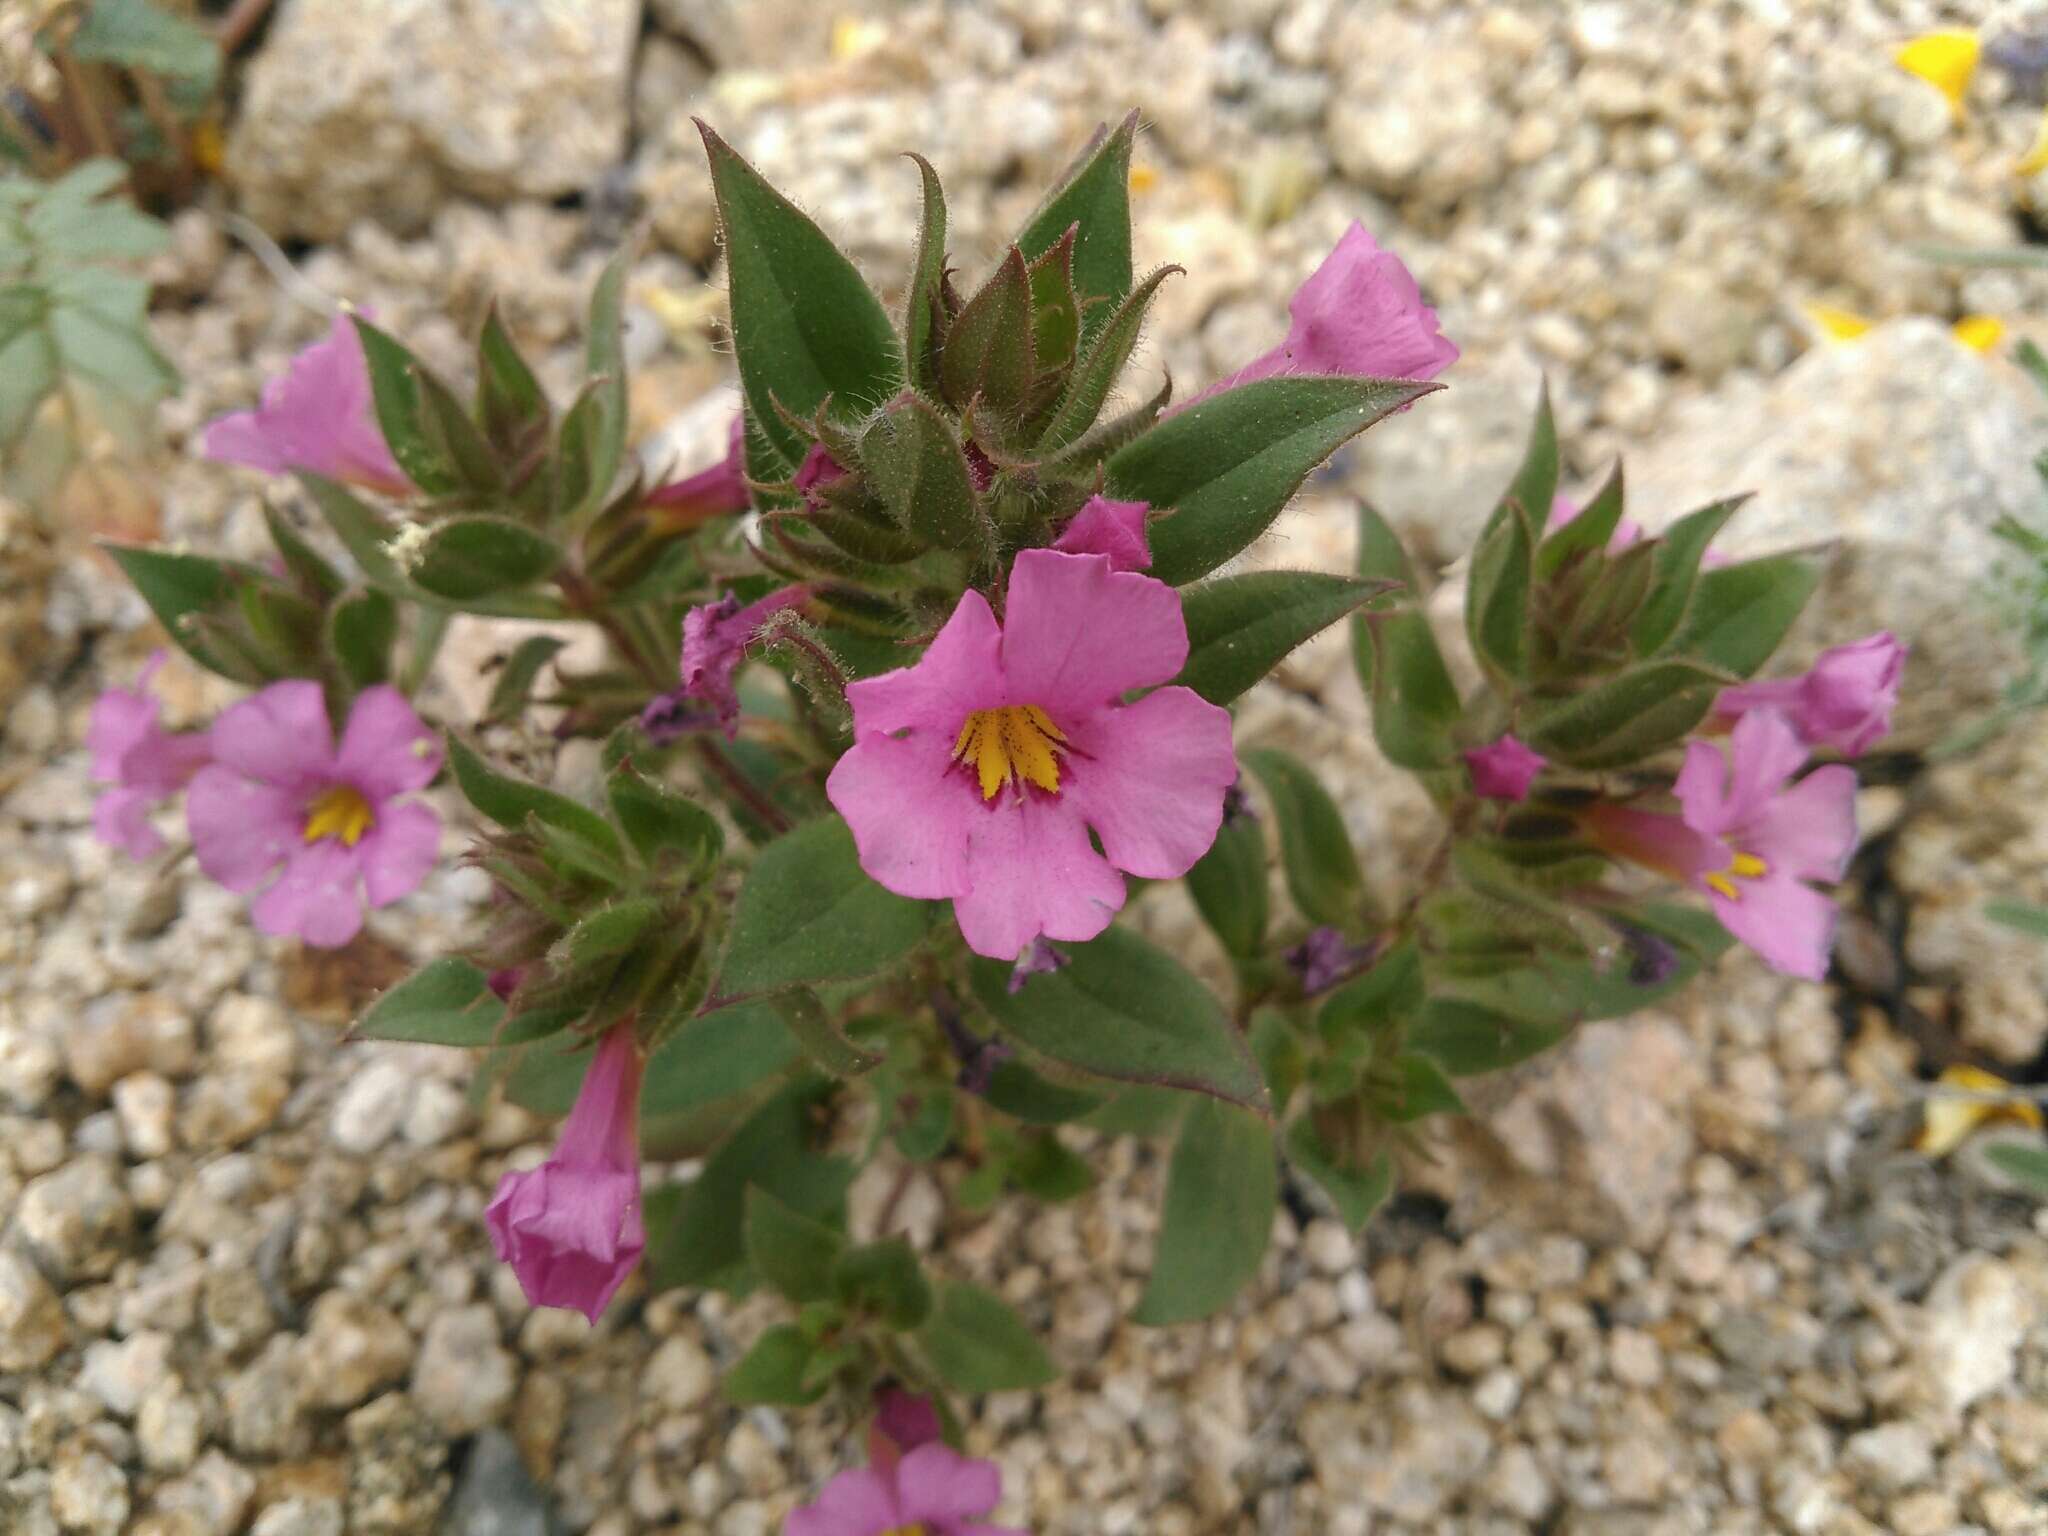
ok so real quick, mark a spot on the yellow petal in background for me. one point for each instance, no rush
(1980, 333)
(1143, 178)
(1837, 324)
(2035, 159)
(1945, 60)
(1951, 1118)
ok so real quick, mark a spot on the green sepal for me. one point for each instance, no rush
(510, 801)
(511, 406)
(361, 629)
(1497, 593)
(1095, 194)
(988, 355)
(513, 689)
(916, 465)
(1625, 718)
(1679, 551)
(924, 308)
(657, 820)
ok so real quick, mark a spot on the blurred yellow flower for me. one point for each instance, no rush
(1837, 324)
(856, 36)
(1980, 333)
(1143, 178)
(1945, 60)
(2035, 159)
(1951, 1118)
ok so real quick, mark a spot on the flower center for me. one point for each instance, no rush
(915, 1528)
(1015, 742)
(338, 811)
(1741, 866)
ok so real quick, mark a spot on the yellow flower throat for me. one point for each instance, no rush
(1743, 866)
(338, 811)
(1015, 742)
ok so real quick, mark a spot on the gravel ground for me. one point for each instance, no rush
(1684, 1278)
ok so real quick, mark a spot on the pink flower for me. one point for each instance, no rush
(932, 1491)
(1563, 509)
(145, 763)
(978, 773)
(1749, 839)
(903, 1422)
(315, 830)
(713, 492)
(1112, 528)
(571, 1228)
(818, 468)
(1359, 313)
(715, 640)
(318, 415)
(1844, 704)
(1504, 769)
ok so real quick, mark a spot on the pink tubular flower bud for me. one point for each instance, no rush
(1843, 704)
(710, 493)
(1504, 769)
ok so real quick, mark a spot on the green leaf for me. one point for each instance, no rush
(514, 687)
(478, 555)
(509, 801)
(1415, 705)
(1497, 592)
(915, 463)
(1356, 1192)
(1424, 1091)
(180, 588)
(1228, 464)
(1018, 1091)
(804, 324)
(1095, 375)
(1241, 627)
(793, 1252)
(1315, 847)
(1044, 1169)
(362, 626)
(1228, 884)
(28, 372)
(657, 820)
(307, 566)
(1680, 548)
(1221, 1190)
(778, 1150)
(820, 1039)
(604, 933)
(1125, 1010)
(1624, 718)
(1535, 484)
(446, 1002)
(402, 414)
(809, 913)
(601, 441)
(1096, 195)
(1388, 994)
(1467, 1039)
(773, 1371)
(510, 404)
(715, 1056)
(1587, 534)
(2023, 916)
(924, 302)
(977, 1343)
(988, 354)
(2027, 1164)
(884, 1279)
(1741, 613)
(138, 35)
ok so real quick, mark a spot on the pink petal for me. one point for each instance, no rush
(1656, 841)
(1790, 925)
(1361, 312)
(242, 830)
(1809, 831)
(1764, 751)
(1034, 872)
(318, 415)
(1112, 528)
(1078, 634)
(857, 1502)
(386, 749)
(1149, 778)
(280, 736)
(120, 819)
(935, 1483)
(912, 814)
(316, 898)
(907, 1420)
(240, 438)
(1504, 769)
(397, 851)
(122, 718)
(571, 1235)
(960, 672)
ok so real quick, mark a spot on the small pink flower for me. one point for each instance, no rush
(315, 830)
(1112, 528)
(1504, 769)
(1360, 313)
(932, 1491)
(319, 416)
(715, 640)
(978, 773)
(145, 763)
(1563, 510)
(714, 492)
(1844, 704)
(571, 1229)
(1749, 839)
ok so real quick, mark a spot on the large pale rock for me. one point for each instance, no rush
(1904, 449)
(387, 107)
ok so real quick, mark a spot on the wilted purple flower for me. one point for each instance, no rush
(145, 763)
(715, 640)
(318, 415)
(571, 1229)
(1325, 958)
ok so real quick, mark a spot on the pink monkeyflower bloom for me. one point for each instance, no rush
(714, 492)
(715, 640)
(318, 415)
(1360, 313)
(1627, 532)
(571, 1229)
(145, 763)
(930, 1491)
(1749, 839)
(1504, 769)
(1112, 528)
(313, 829)
(1843, 704)
(978, 773)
